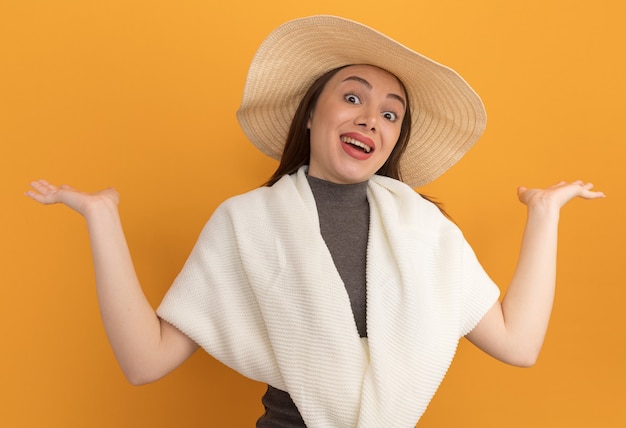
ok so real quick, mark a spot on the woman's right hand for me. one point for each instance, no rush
(82, 202)
(145, 346)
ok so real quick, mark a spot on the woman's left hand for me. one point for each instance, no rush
(557, 195)
(513, 330)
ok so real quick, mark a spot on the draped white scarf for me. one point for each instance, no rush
(260, 293)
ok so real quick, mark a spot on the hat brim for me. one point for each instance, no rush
(447, 114)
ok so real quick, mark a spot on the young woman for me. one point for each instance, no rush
(336, 283)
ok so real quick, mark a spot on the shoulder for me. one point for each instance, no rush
(398, 200)
(260, 201)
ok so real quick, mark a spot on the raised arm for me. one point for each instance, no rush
(145, 346)
(513, 330)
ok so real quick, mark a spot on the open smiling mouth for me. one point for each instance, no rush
(357, 143)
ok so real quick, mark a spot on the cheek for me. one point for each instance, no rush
(392, 137)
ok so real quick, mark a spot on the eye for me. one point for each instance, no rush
(390, 116)
(352, 99)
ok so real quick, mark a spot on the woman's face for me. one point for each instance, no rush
(355, 124)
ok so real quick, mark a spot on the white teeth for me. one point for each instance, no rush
(356, 143)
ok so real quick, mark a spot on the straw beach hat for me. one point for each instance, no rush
(447, 115)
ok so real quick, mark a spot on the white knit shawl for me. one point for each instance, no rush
(260, 293)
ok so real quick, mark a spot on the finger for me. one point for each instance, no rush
(558, 185)
(43, 192)
(523, 194)
(586, 192)
(593, 195)
(43, 187)
(31, 194)
(41, 197)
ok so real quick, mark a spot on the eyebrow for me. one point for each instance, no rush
(368, 85)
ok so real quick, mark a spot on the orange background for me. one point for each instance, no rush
(141, 95)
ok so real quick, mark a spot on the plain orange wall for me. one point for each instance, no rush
(141, 95)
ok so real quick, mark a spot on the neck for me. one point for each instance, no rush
(338, 194)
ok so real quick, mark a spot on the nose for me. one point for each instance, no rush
(367, 119)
